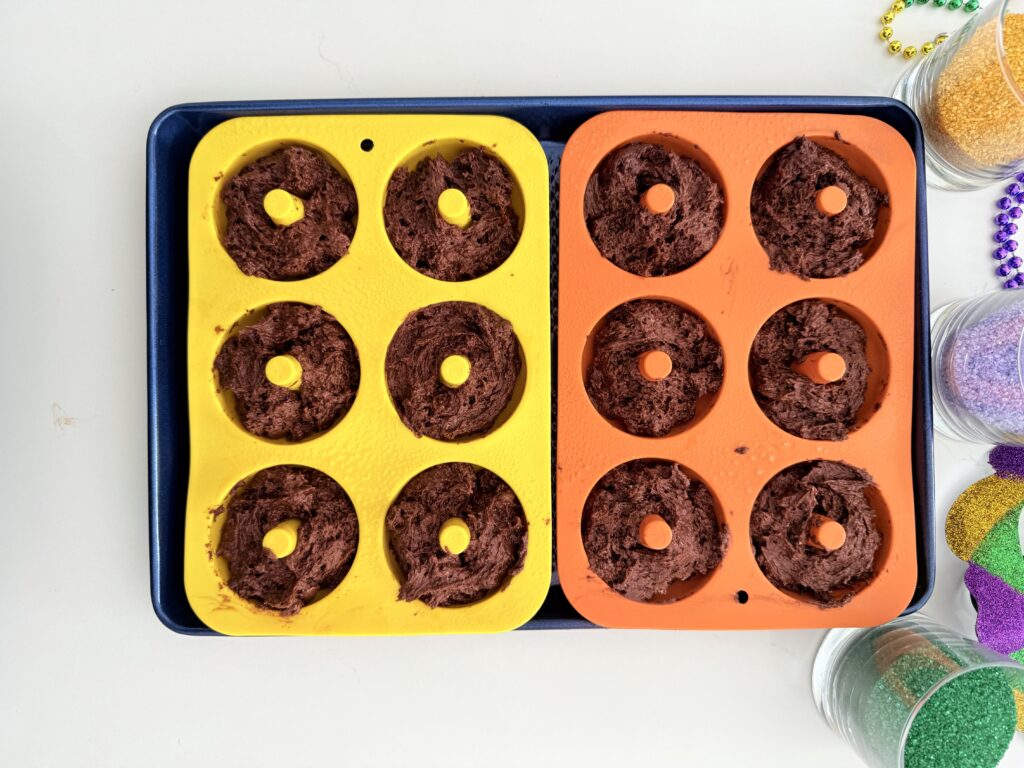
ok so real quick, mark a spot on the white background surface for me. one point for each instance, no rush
(88, 676)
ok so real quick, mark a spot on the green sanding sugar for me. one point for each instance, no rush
(968, 723)
(1018, 655)
(999, 552)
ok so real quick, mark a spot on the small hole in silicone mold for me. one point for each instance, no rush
(742, 597)
(366, 145)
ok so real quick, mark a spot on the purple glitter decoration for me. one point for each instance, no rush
(1000, 236)
(1000, 611)
(981, 369)
(1016, 212)
(1007, 461)
(1005, 203)
(1010, 229)
(1014, 189)
(1002, 219)
(1010, 245)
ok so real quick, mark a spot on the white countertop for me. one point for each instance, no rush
(88, 676)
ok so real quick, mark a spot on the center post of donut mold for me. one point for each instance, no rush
(454, 537)
(453, 206)
(655, 365)
(283, 208)
(655, 533)
(659, 198)
(831, 200)
(282, 538)
(826, 534)
(455, 370)
(284, 371)
(822, 367)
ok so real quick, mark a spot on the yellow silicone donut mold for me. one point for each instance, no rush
(369, 452)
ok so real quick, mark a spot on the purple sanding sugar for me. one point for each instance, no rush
(982, 369)
(1000, 611)
(1007, 461)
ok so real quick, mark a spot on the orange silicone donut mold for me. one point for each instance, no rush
(733, 447)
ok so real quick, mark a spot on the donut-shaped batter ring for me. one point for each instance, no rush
(791, 400)
(638, 240)
(781, 531)
(330, 372)
(622, 394)
(497, 525)
(425, 338)
(326, 540)
(305, 248)
(613, 514)
(433, 246)
(798, 237)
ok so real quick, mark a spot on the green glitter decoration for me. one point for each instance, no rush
(1018, 655)
(978, 509)
(999, 552)
(968, 723)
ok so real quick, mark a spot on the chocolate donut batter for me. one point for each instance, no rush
(326, 539)
(645, 243)
(309, 246)
(791, 400)
(797, 236)
(618, 389)
(611, 524)
(330, 372)
(429, 243)
(425, 404)
(497, 525)
(780, 527)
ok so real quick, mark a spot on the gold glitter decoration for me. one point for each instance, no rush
(975, 117)
(978, 509)
(1019, 698)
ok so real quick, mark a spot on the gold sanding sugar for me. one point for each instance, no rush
(979, 508)
(976, 116)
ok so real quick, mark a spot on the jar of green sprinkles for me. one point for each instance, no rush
(914, 694)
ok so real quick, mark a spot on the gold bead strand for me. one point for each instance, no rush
(909, 52)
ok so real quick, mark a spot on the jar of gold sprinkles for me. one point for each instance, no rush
(969, 95)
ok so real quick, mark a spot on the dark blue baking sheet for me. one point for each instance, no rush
(174, 135)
